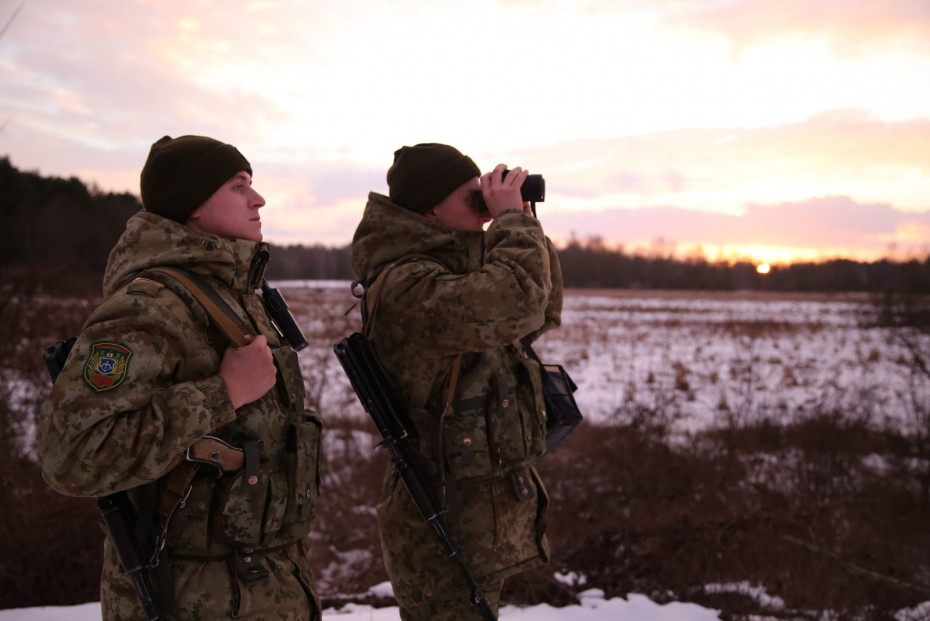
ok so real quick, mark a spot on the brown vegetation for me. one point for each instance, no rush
(827, 513)
(41, 532)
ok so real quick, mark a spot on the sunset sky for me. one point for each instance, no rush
(773, 130)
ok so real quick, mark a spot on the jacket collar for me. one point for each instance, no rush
(388, 232)
(151, 240)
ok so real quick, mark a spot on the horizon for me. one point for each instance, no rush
(656, 250)
(775, 132)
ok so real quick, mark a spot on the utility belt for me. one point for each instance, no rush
(252, 505)
(246, 564)
(252, 499)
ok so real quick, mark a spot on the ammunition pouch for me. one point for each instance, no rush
(250, 503)
(496, 432)
(267, 503)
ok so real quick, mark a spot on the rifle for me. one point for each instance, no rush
(115, 514)
(115, 511)
(382, 403)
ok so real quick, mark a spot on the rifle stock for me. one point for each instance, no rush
(382, 403)
(116, 514)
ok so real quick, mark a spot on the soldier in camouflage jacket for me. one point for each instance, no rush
(150, 375)
(452, 290)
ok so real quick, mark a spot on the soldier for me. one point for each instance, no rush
(150, 375)
(455, 290)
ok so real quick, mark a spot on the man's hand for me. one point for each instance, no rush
(503, 194)
(249, 371)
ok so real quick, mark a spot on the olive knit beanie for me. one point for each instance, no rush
(181, 173)
(423, 175)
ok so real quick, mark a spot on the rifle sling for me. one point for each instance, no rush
(448, 394)
(447, 409)
(219, 311)
(239, 334)
(375, 289)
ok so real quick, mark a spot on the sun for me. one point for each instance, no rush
(763, 268)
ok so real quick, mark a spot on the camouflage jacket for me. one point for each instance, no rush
(476, 294)
(141, 386)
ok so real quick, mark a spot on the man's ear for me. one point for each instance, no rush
(194, 217)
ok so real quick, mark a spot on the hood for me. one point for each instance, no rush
(152, 240)
(388, 232)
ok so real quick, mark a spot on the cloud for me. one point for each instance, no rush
(841, 152)
(619, 104)
(835, 222)
(851, 26)
(99, 80)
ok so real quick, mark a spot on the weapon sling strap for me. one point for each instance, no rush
(449, 500)
(239, 334)
(369, 316)
(219, 311)
(374, 289)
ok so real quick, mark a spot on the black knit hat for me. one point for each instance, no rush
(181, 173)
(423, 175)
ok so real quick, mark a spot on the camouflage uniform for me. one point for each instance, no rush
(475, 294)
(141, 386)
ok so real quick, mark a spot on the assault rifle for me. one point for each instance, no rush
(115, 511)
(382, 403)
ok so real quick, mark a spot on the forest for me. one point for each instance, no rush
(52, 222)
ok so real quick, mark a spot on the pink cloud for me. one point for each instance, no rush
(853, 26)
(823, 222)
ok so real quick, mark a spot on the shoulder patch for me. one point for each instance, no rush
(141, 285)
(107, 365)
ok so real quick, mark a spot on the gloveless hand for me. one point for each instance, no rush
(503, 193)
(249, 371)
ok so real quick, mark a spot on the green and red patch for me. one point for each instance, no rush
(107, 365)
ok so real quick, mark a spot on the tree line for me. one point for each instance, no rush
(55, 225)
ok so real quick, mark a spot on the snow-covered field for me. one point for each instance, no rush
(700, 359)
(729, 355)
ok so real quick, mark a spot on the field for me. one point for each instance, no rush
(761, 455)
(700, 359)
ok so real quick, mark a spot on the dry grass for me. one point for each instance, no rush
(826, 511)
(705, 294)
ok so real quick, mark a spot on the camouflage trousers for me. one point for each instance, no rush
(204, 590)
(499, 534)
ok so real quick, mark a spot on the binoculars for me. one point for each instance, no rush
(532, 191)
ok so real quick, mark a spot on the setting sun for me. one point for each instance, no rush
(763, 268)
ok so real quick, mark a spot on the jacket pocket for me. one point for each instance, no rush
(240, 515)
(302, 464)
(516, 422)
(277, 507)
(467, 451)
